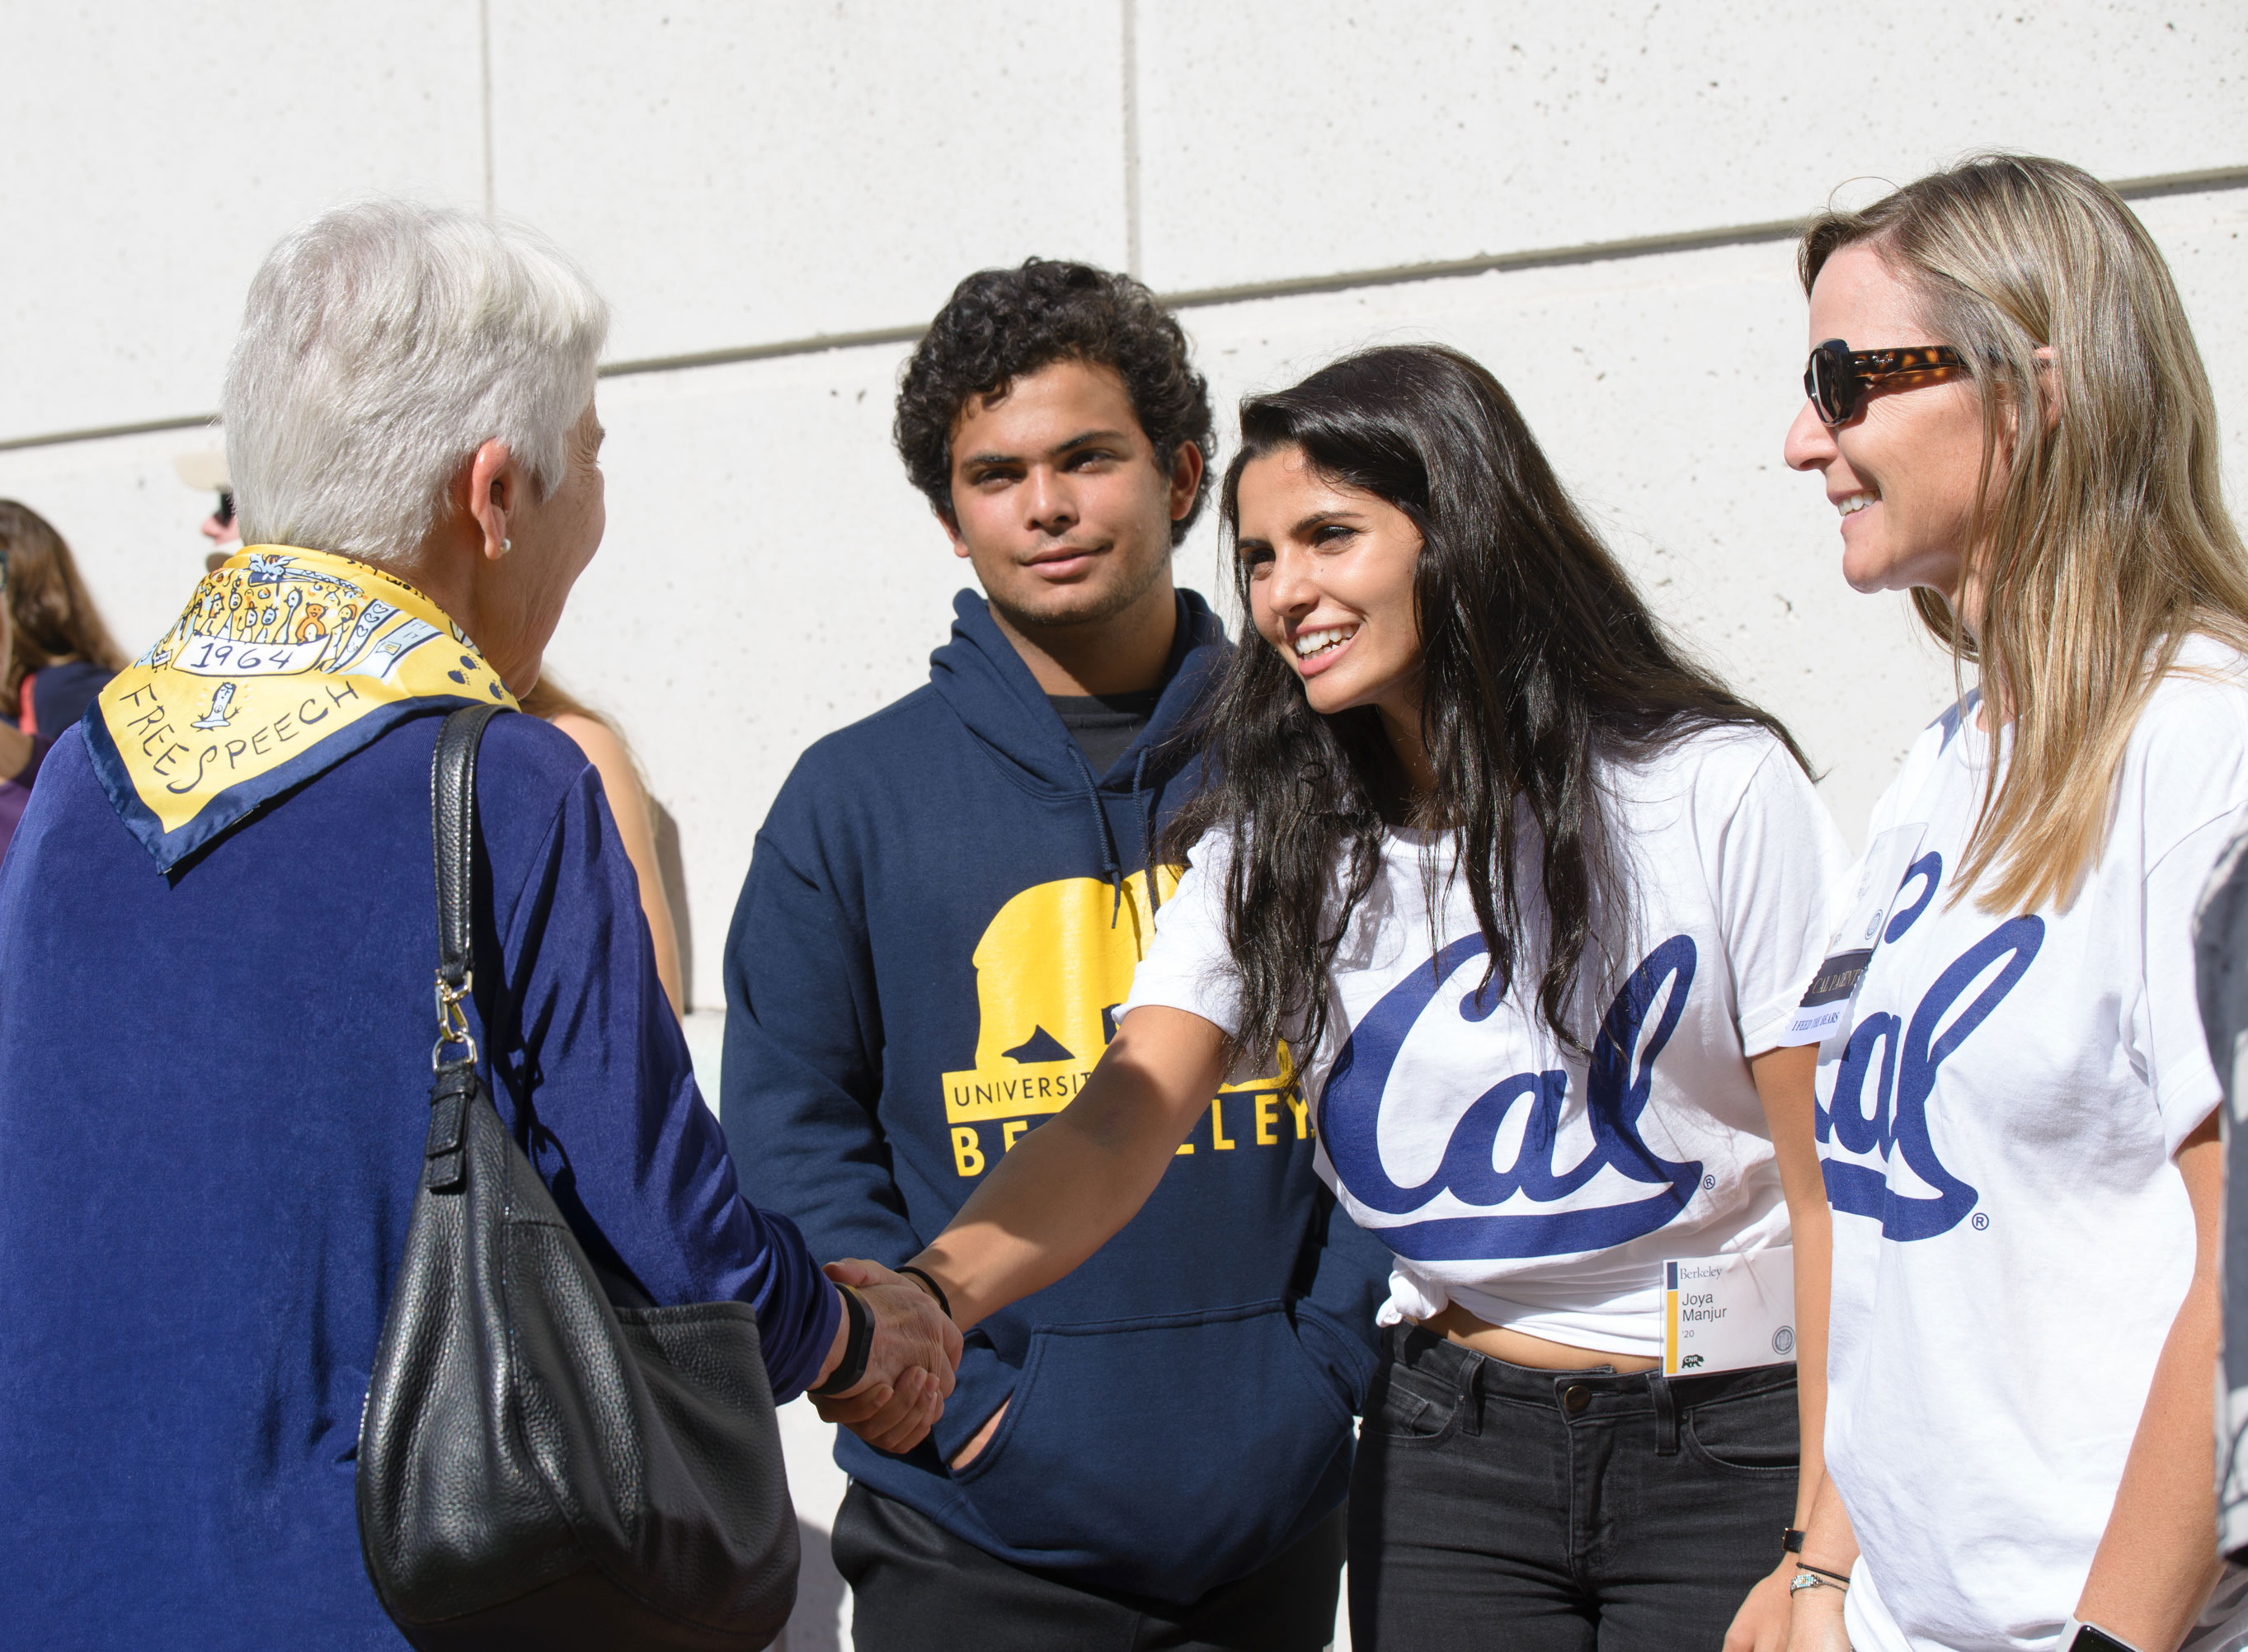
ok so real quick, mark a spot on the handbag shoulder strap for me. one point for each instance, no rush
(453, 828)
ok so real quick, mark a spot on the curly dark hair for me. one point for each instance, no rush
(1000, 324)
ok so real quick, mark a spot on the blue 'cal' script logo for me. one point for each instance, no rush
(1897, 1123)
(1617, 1084)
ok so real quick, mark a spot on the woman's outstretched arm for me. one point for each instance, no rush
(1066, 1188)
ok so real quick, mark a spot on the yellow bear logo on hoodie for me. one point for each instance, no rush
(1052, 971)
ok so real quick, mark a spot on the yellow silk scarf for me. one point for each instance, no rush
(286, 662)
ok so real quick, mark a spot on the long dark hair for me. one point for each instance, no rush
(1538, 660)
(53, 615)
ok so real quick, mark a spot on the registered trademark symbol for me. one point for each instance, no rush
(1981, 1221)
(1708, 1183)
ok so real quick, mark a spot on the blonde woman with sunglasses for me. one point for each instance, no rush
(2016, 1106)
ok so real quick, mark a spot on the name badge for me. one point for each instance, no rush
(1729, 1312)
(1880, 873)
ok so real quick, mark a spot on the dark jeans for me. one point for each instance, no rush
(1494, 1505)
(914, 1588)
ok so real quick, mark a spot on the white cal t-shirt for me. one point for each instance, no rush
(2011, 1241)
(1506, 1173)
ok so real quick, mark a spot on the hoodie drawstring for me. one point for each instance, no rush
(1144, 813)
(1143, 816)
(1110, 865)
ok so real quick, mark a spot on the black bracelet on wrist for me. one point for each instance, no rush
(944, 1302)
(1791, 1541)
(1842, 1577)
(857, 1344)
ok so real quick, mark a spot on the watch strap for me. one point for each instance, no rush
(858, 1343)
(944, 1302)
(2079, 1636)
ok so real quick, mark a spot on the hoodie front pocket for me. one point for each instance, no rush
(1163, 1455)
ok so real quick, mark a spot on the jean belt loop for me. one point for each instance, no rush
(1470, 1400)
(1666, 1414)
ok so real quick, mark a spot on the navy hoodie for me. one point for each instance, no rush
(943, 913)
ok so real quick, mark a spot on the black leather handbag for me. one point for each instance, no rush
(546, 1460)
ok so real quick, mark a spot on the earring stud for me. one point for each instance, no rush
(506, 546)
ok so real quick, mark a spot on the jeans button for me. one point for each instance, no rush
(1575, 1398)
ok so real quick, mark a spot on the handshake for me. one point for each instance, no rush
(915, 1350)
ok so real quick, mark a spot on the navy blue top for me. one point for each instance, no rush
(925, 960)
(60, 695)
(213, 1101)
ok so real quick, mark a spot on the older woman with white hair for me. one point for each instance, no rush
(216, 933)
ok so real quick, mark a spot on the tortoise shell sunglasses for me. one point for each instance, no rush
(1837, 377)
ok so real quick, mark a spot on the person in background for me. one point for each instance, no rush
(2221, 980)
(206, 473)
(21, 754)
(2008, 409)
(62, 653)
(944, 910)
(633, 810)
(1536, 898)
(217, 935)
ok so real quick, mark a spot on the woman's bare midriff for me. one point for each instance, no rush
(1456, 1325)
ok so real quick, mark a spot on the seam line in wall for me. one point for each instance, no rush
(99, 433)
(1130, 10)
(2208, 182)
(484, 55)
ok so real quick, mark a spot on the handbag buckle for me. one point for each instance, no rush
(452, 1021)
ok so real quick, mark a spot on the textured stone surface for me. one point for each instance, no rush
(154, 152)
(1284, 138)
(735, 174)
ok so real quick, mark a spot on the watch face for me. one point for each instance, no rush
(2091, 1640)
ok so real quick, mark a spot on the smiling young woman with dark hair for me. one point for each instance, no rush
(1533, 900)
(1529, 661)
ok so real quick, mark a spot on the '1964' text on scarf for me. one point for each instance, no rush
(286, 662)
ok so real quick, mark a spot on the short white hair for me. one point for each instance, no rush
(384, 343)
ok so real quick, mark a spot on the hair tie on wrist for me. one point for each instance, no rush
(944, 1302)
(857, 1344)
(1841, 1579)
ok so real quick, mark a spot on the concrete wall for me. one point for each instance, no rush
(1592, 199)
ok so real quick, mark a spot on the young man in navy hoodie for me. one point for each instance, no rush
(943, 913)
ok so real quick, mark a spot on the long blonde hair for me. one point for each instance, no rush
(2105, 544)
